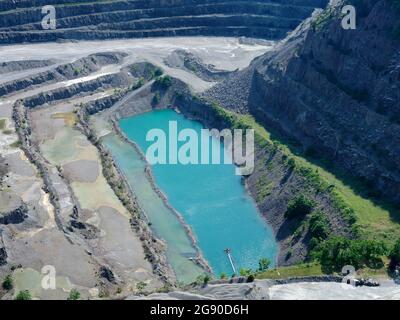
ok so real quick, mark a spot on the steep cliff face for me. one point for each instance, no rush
(272, 19)
(335, 92)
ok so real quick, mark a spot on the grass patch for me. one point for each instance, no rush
(371, 219)
(69, 118)
(314, 269)
(375, 273)
(16, 144)
(264, 188)
(3, 124)
(300, 270)
(375, 221)
(322, 19)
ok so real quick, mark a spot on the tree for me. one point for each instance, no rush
(23, 295)
(250, 278)
(299, 207)
(74, 295)
(8, 283)
(245, 272)
(371, 252)
(337, 252)
(264, 264)
(395, 256)
(223, 275)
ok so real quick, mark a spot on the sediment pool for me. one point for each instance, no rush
(211, 199)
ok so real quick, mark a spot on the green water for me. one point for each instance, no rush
(163, 221)
(211, 199)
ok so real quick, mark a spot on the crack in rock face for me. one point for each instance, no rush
(3, 256)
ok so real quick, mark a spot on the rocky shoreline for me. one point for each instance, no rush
(200, 260)
(154, 248)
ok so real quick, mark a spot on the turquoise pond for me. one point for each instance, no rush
(212, 200)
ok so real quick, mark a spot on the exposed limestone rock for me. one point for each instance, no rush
(154, 18)
(336, 98)
(12, 66)
(188, 61)
(79, 68)
(120, 79)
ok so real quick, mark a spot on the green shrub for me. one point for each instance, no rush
(77, 71)
(245, 272)
(395, 256)
(139, 84)
(8, 283)
(291, 163)
(164, 82)
(23, 295)
(299, 231)
(264, 264)
(203, 279)
(319, 226)
(299, 207)
(141, 285)
(74, 295)
(156, 98)
(156, 73)
(250, 278)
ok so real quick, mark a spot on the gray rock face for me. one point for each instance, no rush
(79, 68)
(3, 169)
(335, 91)
(273, 183)
(21, 21)
(11, 66)
(188, 61)
(15, 216)
(107, 274)
(3, 256)
(120, 79)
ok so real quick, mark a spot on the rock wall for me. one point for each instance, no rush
(15, 216)
(79, 68)
(272, 171)
(271, 19)
(335, 92)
